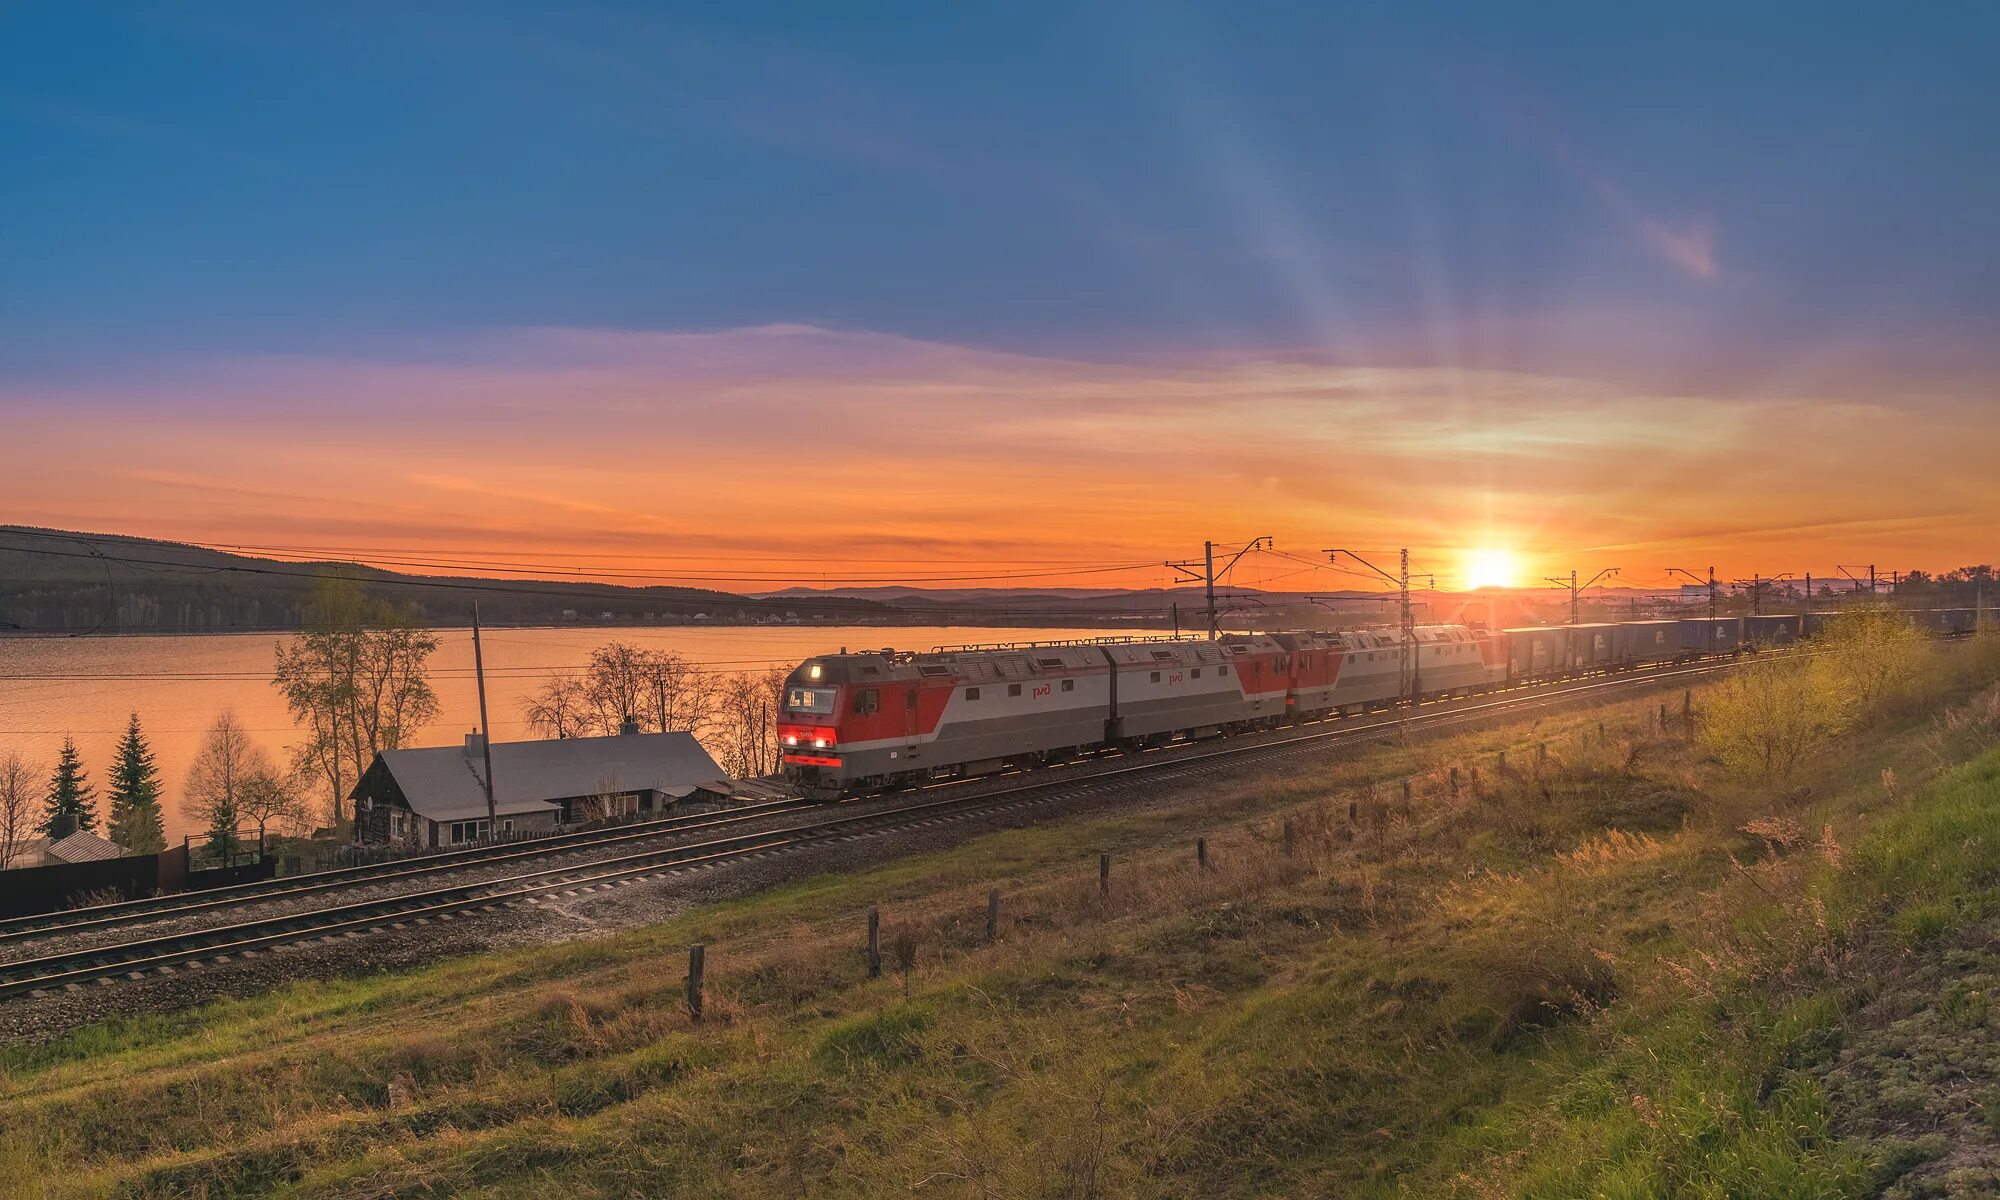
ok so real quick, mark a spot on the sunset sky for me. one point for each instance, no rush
(756, 294)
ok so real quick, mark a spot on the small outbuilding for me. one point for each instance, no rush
(435, 796)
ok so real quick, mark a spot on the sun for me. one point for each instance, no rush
(1491, 567)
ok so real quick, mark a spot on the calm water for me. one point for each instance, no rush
(177, 685)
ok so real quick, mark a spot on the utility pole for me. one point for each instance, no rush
(1410, 682)
(1576, 592)
(1710, 581)
(1854, 578)
(1206, 575)
(1757, 585)
(1805, 613)
(485, 730)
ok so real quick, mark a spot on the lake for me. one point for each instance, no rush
(88, 687)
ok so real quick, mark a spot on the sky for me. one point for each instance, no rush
(805, 293)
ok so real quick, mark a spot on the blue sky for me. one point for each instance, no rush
(1789, 202)
(1461, 180)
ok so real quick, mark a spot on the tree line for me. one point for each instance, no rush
(231, 783)
(733, 713)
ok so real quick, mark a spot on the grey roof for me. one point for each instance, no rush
(82, 846)
(444, 783)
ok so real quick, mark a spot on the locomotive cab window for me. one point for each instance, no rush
(1222, 670)
(1013, 689)
(1195, 674)
(866, 701)
(1156, 677)
(1069, 685)
(809, 700)
(972, 693)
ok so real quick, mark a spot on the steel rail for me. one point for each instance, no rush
(16, 929)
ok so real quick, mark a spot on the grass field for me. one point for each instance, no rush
(1611, 968)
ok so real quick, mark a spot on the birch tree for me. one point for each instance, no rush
(357, 682)
(20, 789)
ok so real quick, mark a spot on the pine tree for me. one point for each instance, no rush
(223, 844)
(70, 792)
(135, 795)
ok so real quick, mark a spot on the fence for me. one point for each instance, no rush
(31, 891)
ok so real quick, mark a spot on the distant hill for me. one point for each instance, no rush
(57, 580)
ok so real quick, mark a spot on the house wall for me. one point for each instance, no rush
(440, 834)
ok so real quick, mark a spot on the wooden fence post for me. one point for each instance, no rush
(1541, 755)
(1201, 853)
(1406, 798)
(874, 942)
(993, 914)
(1104, 873)
(1454, 781)
(696, 956)
(1290, 838)
(1502, 768)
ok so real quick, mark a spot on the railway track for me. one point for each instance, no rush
(169, 953)
(154, 908)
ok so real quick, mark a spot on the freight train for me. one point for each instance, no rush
(873, 720)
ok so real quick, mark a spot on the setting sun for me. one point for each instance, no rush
(1491, 568)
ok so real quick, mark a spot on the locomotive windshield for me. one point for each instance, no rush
(809, 700)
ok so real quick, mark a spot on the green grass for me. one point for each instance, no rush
(1578, 980)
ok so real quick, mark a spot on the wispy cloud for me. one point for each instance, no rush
(793, 440)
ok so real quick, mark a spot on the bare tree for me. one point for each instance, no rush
(267, 799)
(748, 738)
(357, 680)
(20, 794)
(617, 682)
(227, 772)
(675, 693)
(560, 708)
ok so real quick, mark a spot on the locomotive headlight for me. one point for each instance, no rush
(819, 743)
(791, 739)
(812, 672)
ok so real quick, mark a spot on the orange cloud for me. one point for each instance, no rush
(789, 448)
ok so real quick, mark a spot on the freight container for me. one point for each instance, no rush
(1711, 635)
(1592, 645)
(1646, 641)
(1773, 629)
(1537, 653)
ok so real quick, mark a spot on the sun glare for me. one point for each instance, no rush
(1491, 568)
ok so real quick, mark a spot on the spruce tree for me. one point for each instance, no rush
(70, 792)
(135, 795)
(223, 844)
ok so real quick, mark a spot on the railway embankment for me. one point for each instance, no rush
(1584, 953)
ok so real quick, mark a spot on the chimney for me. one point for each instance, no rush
(628, 726)
(475, 745)
(61, 826)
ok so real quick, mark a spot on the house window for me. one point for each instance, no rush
(466, 831)
(972, 693)
(1013, 689)
(1069, 685)
(507, 826)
